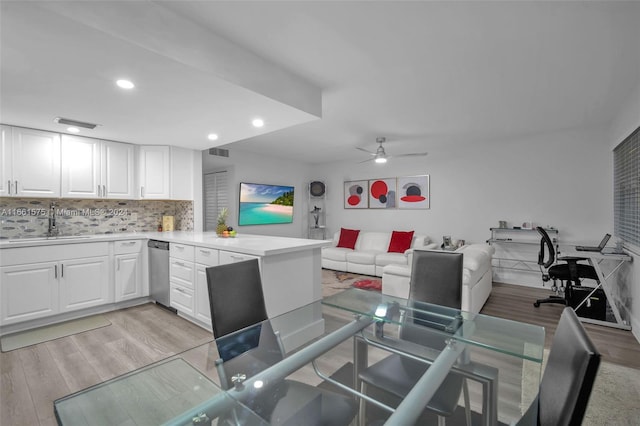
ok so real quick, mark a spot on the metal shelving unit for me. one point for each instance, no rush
(521, 241)
(317, 229)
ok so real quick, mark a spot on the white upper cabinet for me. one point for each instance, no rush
(6, 169)
(81, 167)
(181, 174)
(154, 172)
(118, 175)
(30, 163)
(92, 168)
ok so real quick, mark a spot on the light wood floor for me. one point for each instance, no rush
(516, 303)
(32, 378)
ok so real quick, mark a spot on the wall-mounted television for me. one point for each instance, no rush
(262, 204)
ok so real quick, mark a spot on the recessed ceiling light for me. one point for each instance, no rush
(73, 130)
(258, 122)
(212, 137)
(125, 84)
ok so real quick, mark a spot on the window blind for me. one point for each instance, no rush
(216, 197)
(626, 192)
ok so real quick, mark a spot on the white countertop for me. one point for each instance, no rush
(258, 245)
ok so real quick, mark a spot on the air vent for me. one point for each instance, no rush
(75, 123)
(219, 152)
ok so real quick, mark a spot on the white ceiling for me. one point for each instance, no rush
(419, 73)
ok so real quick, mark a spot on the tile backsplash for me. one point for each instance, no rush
(29, 217)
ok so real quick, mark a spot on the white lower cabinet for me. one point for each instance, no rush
(232, 257)
(181, 277)
(28, 292)
(84, 283)
(188, 277)
(128, 270)
(181, 298)
(202, 308)
(42, 281)
(128, 276)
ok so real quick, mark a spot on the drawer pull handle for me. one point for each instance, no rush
(180, 264)
(205, 251)
(129, 243)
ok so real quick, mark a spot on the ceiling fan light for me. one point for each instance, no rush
(380, 160)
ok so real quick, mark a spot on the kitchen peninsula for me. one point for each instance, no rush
(47, 280)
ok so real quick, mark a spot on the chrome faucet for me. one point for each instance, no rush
(53, 230)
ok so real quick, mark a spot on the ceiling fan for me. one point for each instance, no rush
(381, 157)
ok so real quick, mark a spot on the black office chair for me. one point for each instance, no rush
(568, 378)
(569, 273)
(436, 277)
(237, 306)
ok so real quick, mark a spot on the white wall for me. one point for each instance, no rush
(253, 168)
(629, 279)
(563, 180)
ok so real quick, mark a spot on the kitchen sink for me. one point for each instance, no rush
(64, 237)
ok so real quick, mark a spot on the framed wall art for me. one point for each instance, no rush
(356, 194)
(262, 204)
(413, 192)
(382, 193)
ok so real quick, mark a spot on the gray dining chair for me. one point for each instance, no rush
(436, 278)
(568, 378)
(247, 345)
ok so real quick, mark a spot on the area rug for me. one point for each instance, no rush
(23, 339)
(368, 284)
(614, 397)
(336, 281)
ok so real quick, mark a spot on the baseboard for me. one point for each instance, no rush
(67, 316)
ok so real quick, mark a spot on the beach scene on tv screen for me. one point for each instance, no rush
(265, 204)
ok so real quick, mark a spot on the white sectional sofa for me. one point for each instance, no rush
(370, 255)
(476, 279)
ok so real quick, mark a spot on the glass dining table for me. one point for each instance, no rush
(500, 359)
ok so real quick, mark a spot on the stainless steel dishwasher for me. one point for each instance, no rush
(159, 273)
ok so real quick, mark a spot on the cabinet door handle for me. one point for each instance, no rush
(62, 270)
(142, 191)
(118, 265)
(9, 181)
(99, 192)
(104, 191)
(16, 189)
(55, 271)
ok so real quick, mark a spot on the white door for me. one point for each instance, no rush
(128, 276)
(84, 283)
(154, 169)
(117, 170)
(36, 163)
(6, 171)
(28, 292)
(202, 308)
(81, 167)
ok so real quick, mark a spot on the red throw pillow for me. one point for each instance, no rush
(400, 241)
(348, 238)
